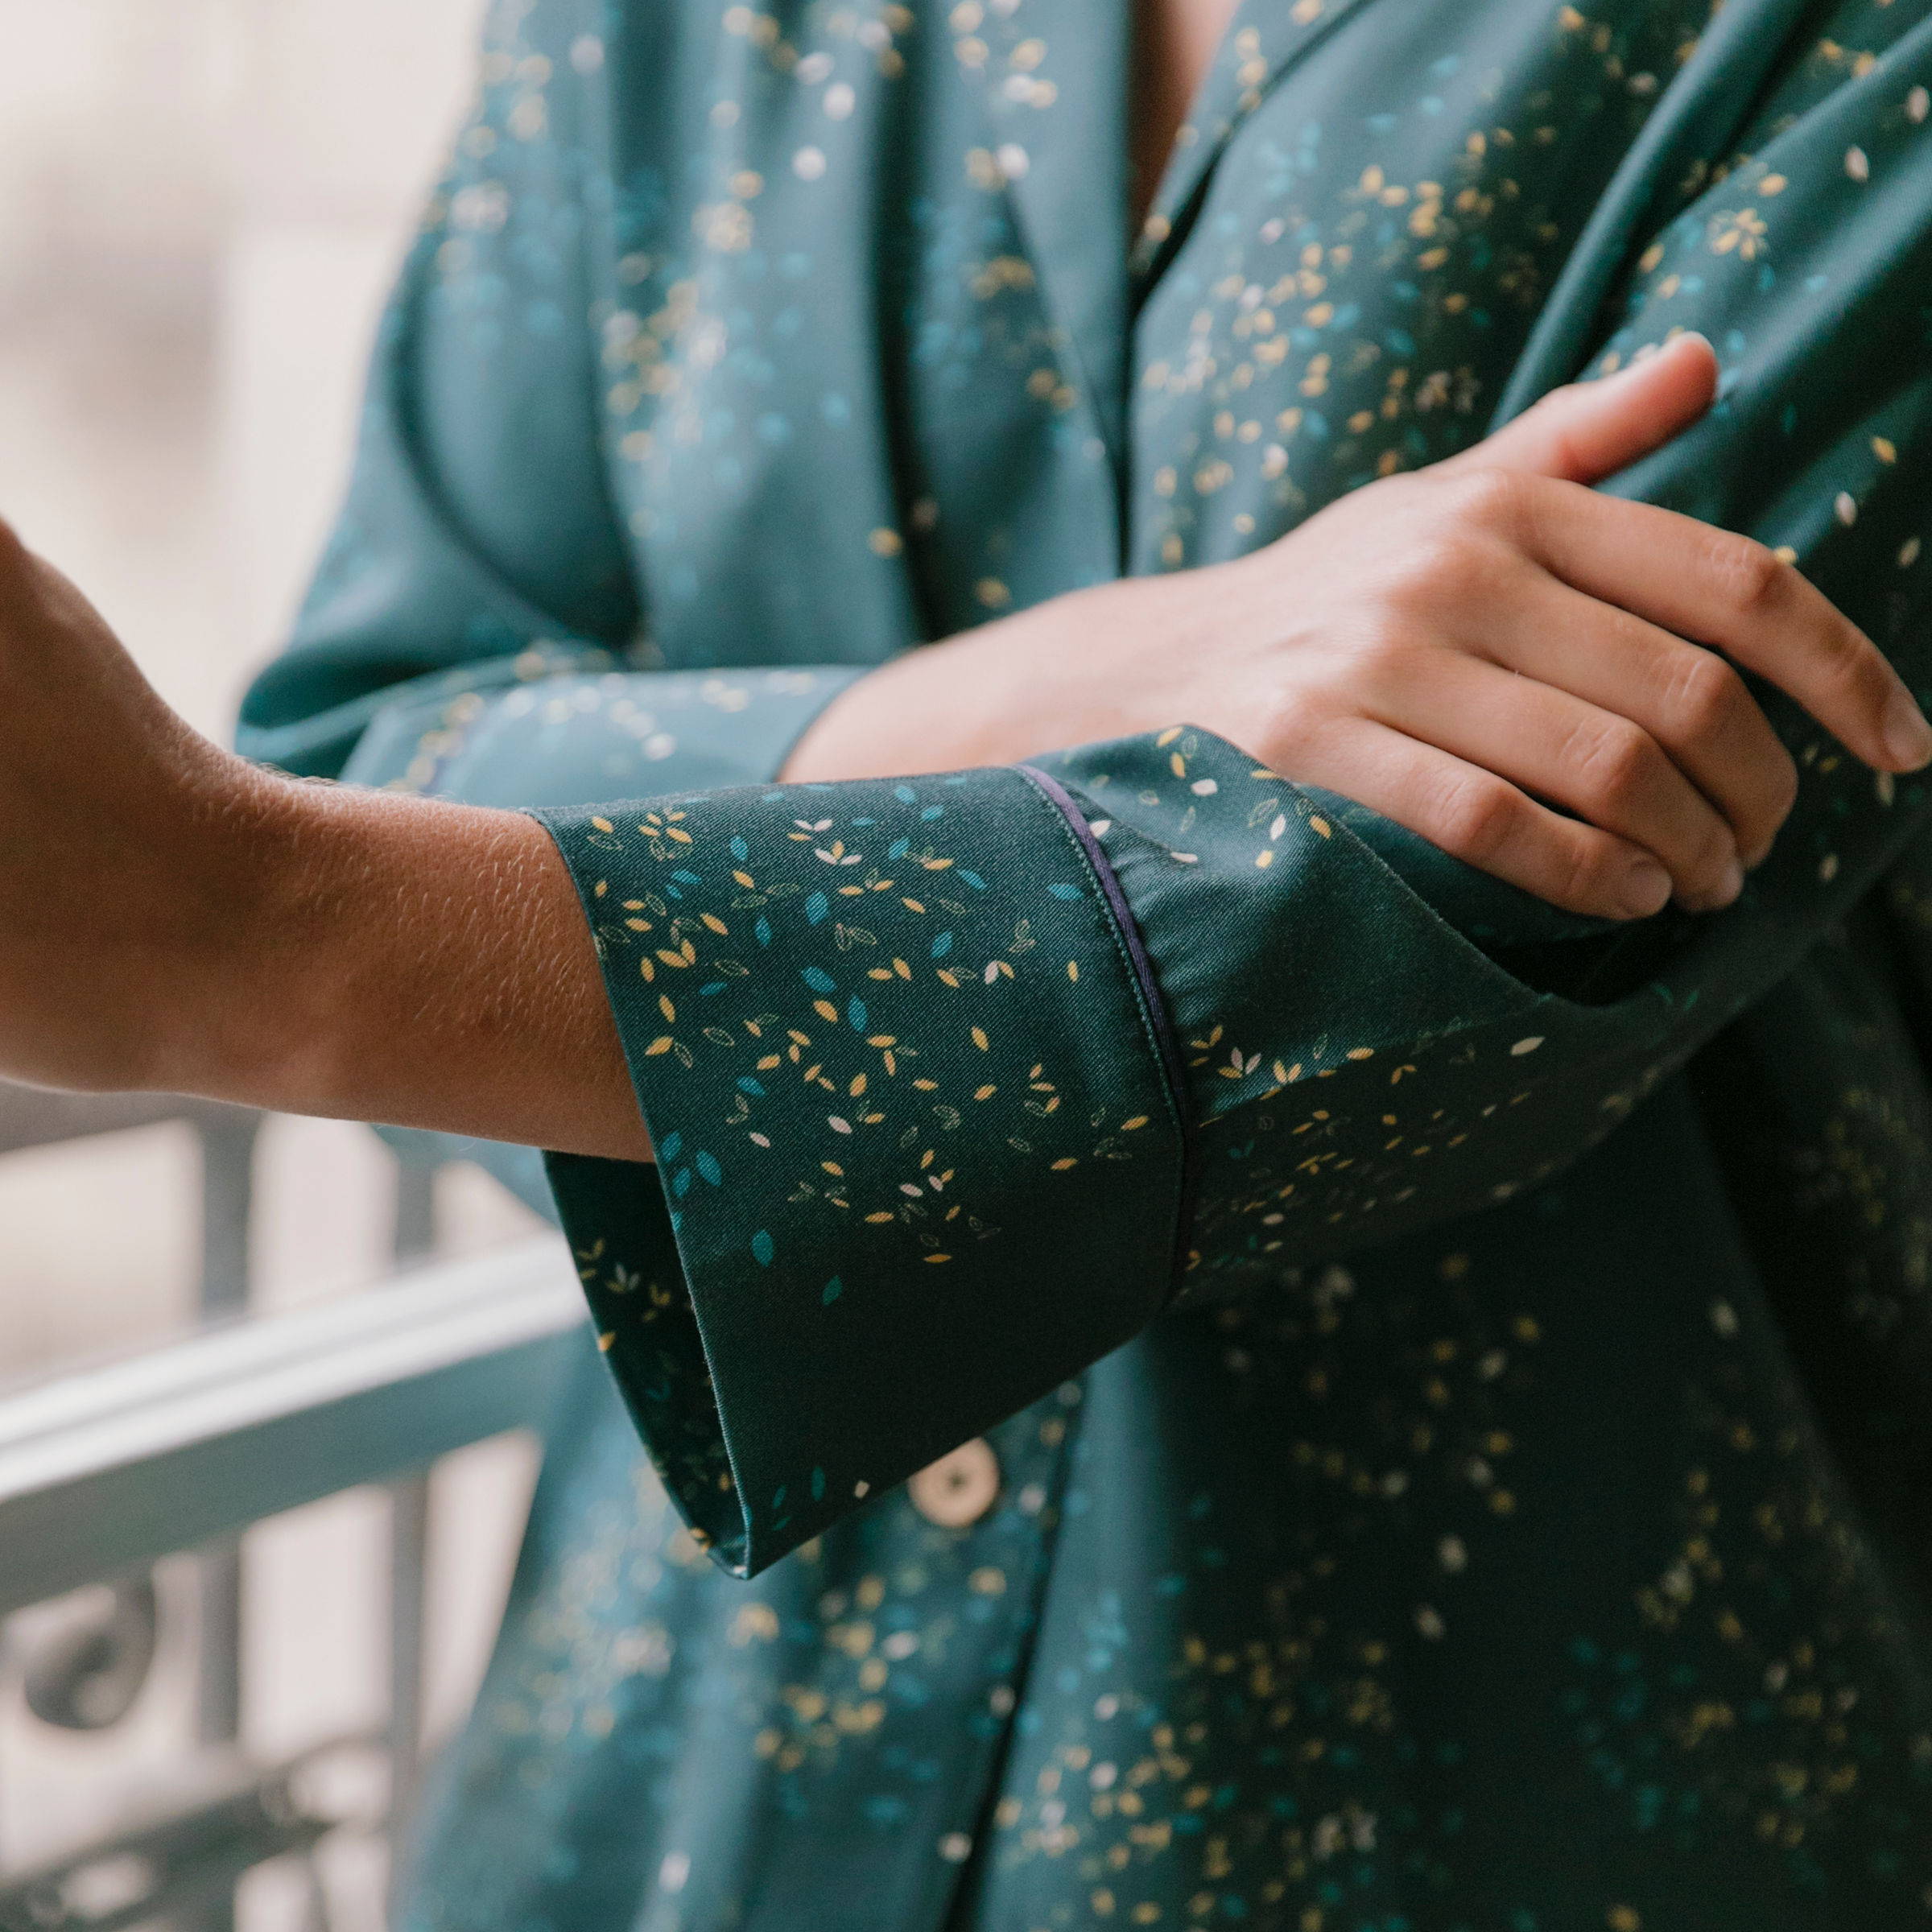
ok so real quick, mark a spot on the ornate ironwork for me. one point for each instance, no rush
(104, 1473)
(90, 1672)
(184, 1864)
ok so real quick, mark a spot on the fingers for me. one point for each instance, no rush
(1595, 762)
(1587, 431)
(1719, 588)
(1485, 821)
(1690, 700)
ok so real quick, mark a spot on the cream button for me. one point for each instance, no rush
(958, 1488)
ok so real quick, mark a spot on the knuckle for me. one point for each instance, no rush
(1475, 816)
(1448, 569)
(1330, 675)
(1707, 696)
(1749, 576)
(1492, 499)
(1380, 661)
(1614, 762)
(1584, 869)
(1853, 665)
(1474, 572)
(1289, 725)
(1716, 850)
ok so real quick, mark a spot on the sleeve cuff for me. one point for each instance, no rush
(920, 1157)
(1361, 1054)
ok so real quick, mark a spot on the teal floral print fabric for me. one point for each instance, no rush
(1456, 1380)
(890, 1042)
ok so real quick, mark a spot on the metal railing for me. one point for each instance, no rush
(105, 1471)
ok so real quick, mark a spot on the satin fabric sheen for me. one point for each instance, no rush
(1461, 1377)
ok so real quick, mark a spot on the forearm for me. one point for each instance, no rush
(427, 964)
(410, 961)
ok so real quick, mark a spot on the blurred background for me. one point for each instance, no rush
(201, 203)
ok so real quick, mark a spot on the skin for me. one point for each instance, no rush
(1175, 42)
(1460, 648)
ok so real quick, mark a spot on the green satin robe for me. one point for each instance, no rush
(1459, 1378)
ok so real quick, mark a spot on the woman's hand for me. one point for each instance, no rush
(1453, 648)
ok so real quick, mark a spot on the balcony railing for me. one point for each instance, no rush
(104, 1473)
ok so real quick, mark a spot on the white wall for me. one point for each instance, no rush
(200, 204)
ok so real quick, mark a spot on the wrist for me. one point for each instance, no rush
(885, 724)
(256, 978)
(1005, 691)
(410, 960)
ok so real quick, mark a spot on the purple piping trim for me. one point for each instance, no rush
(1153, 1007)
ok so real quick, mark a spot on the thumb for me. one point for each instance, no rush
(1586, 431)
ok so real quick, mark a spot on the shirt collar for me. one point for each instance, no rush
(1058, 75)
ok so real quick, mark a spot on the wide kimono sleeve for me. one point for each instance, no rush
(475, 628)
(955, 1083)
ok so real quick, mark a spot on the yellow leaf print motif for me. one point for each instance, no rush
(1744, 229)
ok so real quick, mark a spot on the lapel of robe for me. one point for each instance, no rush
(1264, 39)
(1058, 76)
(1057, 73)
(1667, 165)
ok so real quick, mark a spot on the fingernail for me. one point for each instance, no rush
(1645, 887)
(1908, 736)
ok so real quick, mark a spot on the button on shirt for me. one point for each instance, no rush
(958, 1488)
